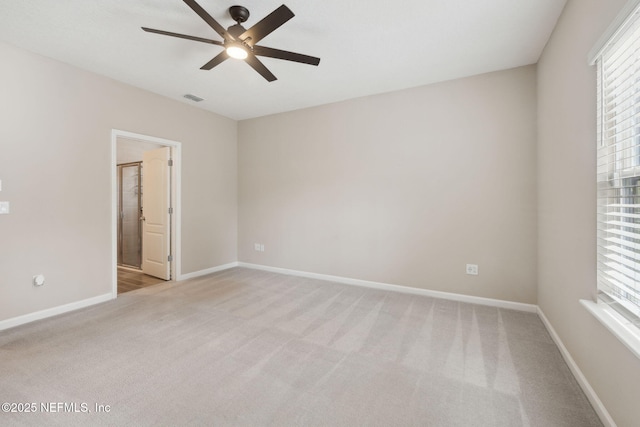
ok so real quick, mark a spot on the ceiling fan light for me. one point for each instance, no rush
(236, 52)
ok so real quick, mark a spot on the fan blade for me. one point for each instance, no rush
(208, 19)
(221, 57)
(269, 23)
(283, 54)
(182, 36)
(259, 67)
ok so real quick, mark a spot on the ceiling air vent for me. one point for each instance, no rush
(193, 98)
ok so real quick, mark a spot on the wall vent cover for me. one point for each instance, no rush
(193, 97)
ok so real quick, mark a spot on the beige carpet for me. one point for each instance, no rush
(250, 348)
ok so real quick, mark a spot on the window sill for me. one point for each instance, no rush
(623, 329)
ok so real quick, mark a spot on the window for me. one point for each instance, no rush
(618, 169)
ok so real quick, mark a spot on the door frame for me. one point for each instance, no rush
(176, 185)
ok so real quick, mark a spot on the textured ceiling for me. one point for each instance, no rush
(366, 47)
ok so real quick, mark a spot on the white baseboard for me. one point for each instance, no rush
(207, 271)
(531, 308)
(54, 311)
(597, 404)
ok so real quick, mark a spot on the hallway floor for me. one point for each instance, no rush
(130, 280)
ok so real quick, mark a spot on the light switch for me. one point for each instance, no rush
(4, 208)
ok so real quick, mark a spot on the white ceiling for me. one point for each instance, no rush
(366, 47)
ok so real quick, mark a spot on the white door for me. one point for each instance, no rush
(156, 231)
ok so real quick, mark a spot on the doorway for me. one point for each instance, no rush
(130, 231)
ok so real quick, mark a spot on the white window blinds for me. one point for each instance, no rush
(618, 169)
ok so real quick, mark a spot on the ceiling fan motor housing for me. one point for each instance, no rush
(236, 30)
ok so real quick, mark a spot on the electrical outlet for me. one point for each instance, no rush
(38, 280)
(472, 269)
(256, 247)
(261, 248)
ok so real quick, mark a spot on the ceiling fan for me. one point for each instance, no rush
(240, 43)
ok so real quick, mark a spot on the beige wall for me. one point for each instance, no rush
(55, 141)
(403, 188)
(567, 230)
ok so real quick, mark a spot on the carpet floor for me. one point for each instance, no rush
(250, 348)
